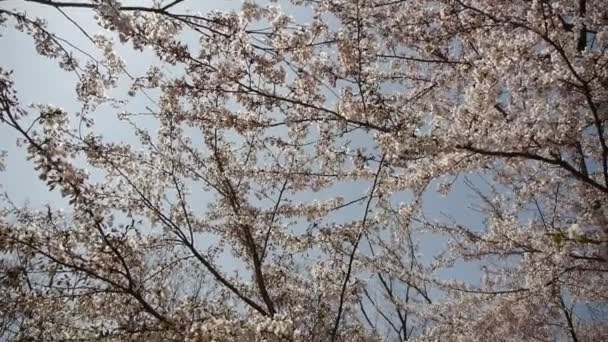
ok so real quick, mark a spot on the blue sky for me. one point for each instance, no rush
(39, 80)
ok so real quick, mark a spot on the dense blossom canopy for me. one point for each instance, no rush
(277, 184)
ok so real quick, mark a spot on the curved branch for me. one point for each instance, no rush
(352, 253)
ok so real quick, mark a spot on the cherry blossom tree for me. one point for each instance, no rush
(228, 212)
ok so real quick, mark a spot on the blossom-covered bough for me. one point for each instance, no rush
(229, 212)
